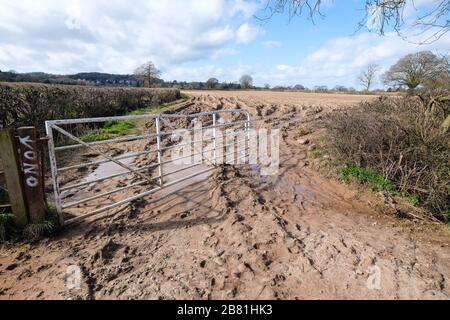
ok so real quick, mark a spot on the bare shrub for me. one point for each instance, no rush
(402, 139)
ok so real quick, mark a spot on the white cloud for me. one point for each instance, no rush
(270, 44)
(73, 24)
(65, 36)
(228, 74)
(338, 61)
(247, 32)
(246, 8)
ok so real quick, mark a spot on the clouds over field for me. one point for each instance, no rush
(338, 61)
(189, 40)
(116, 35)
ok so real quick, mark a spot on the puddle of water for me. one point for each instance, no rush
(171, 167)
(220, 120)
(102, 171)
(108, 169)
(300, 192)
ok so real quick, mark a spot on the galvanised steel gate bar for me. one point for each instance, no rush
(158, 181)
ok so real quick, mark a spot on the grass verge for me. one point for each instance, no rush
(375, 182)
(119, 128)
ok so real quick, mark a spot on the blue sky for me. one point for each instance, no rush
(197, 39)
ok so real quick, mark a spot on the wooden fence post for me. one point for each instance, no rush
(32, 173)
(13, 176)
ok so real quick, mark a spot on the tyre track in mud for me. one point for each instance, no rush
(298, 235)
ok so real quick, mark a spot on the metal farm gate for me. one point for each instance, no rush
(160, 135)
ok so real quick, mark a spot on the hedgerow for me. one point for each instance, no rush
(31, 104)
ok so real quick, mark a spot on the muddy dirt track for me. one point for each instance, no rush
(237, 235)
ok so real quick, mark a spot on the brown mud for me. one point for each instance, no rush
(234, 234)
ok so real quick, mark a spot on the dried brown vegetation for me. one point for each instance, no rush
(402, 139)
(32, 104)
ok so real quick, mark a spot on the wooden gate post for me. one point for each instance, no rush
(32, 173)
(13, 176)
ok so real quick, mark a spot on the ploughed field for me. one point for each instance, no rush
(288, 97)
(237, 235)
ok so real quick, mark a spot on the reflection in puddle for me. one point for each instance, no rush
(282, 185)
(220, 120)
(109, 168)
(102, 171)
(185, 171)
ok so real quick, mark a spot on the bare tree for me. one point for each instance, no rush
(340, 88)
(299, 87)
(415, 69)
(246, 81)
(212, 83)
(441, 83)
(147, 73)
(321, 88)
(368, 75)
(379, 15)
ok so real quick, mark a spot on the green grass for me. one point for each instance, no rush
(37, 230)
(413, 199)
(119, 128)
(375, 182)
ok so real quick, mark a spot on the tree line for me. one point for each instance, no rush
(410, 73)
(141, 78)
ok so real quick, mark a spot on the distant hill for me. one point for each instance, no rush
(105, 78)
(85, 78)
